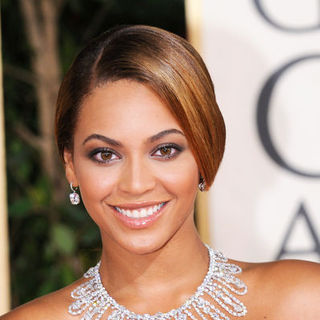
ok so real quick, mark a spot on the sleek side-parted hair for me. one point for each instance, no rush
(166, 63)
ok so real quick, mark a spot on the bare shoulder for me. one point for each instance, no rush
(287, 289)
(53, 306)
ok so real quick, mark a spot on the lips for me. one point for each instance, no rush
(139, 216)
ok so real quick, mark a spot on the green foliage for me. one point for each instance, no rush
(63, 239)
(52, 244)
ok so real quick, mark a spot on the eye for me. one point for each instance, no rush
(167, 151)
(104, 155)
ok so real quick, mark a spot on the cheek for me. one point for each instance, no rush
(183, 177)
(96, 182)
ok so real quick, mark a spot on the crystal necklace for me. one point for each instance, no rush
(219, 284)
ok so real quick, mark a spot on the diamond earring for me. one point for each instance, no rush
(202, 184)
(74, 196)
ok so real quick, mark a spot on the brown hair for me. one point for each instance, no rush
(165, 62)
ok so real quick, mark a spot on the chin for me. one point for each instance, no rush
(145, 246)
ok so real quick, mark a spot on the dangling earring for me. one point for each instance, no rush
(202, 184)
(74, 196)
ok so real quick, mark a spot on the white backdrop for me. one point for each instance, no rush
(264, 57)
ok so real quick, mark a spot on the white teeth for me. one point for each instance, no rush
(128, 213)
(140, 213)
(135, 213)
(143, 213)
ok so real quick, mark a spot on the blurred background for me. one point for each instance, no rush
(263, 56)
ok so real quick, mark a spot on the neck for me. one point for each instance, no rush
(181, 263)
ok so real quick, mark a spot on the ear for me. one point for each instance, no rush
(69, 168)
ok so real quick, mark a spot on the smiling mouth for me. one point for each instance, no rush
(140, 212)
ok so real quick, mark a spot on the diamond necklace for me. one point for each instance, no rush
(92, 299)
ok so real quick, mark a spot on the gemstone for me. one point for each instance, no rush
(74, 198)
(92, 299)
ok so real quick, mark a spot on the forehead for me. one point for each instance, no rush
(124, 108)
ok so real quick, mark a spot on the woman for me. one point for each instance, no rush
(139, 131)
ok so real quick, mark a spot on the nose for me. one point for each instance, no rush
(136, 177)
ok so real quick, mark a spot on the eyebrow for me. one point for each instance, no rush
(105, 139)
(116, 143)
(164, 133)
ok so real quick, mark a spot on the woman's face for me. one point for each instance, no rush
(135, 170)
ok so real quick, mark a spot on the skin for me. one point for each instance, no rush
(152, 163)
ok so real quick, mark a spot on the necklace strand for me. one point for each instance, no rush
(219, 285)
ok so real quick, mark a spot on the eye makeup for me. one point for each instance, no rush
(167, 151)
(162, 152)
(103, 155)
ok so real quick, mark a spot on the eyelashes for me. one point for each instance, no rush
(162, 152)
(104, 155)
(167, 151)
